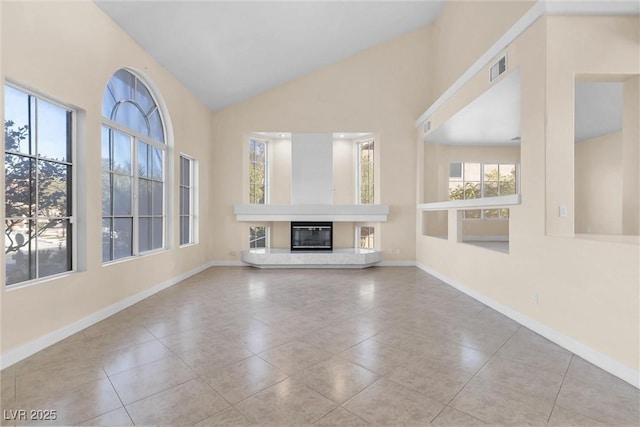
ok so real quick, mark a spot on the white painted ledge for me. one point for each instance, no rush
(335, 213)
(338, 258)
(484, 202)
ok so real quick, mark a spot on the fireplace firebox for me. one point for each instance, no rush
(311, 236)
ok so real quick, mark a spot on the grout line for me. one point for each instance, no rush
(483, 365)
(119, 398)
(560, 388)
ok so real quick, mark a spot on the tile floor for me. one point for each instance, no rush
(382, 346)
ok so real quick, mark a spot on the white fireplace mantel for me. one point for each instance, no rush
(320, 212)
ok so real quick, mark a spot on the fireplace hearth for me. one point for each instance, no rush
(311, 236)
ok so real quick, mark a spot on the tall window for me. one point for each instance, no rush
(475, 180)
(187, 200)
(365, 236)
(258, 172)
(133, 169)
(38, 188)
(365, 187)
(258, 237)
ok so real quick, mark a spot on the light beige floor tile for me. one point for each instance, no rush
(244, 378)
(439, 382)
(184, 404)
(7, 388)
(73, 405)
(337, 379)
(332, 340)
(532, 349)
(590, 391)
(456, 356)
(171, 324)
(404, 340)
(52, 380)
(258, 341)
(562, 417)
(388, 403)
(517, 376)
(294, 356)
(454, 418)
(119, 417)
(207, 358)
(340, 417)
(375, 356)
(286, 403)
(191, 339)
(495, 404)
(118, 338)
(229, 417)
(477, 339)
(145, 380)
(135, 355)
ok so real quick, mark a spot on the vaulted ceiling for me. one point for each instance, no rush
(227, 51)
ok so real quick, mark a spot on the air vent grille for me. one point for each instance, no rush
(498, 68)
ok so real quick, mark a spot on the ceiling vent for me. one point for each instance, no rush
(498, 68)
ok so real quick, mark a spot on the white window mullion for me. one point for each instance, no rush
(134, 197)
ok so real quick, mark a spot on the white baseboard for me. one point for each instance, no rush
(17, 354)
(397, 263)
(603, 361)
(485, 239)
(232, 263)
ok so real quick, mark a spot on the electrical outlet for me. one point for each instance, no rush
(232, 252)
(563, 212)
(397, 251)
(534, 298)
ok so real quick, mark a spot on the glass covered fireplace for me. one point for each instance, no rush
(311, 236)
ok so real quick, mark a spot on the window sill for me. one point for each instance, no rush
(484, 202)
(39, 281)
(134, 257)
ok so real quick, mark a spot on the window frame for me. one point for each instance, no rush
(482, 216)
(193, 201)
(267, 236)
(371, 236)
(72, 129)
(163, 146)
(358, 170)
(267, 166)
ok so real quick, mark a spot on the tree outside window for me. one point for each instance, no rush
(476, 180)
(38, 228)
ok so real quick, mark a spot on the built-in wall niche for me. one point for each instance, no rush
(435, 224)
(489, 233)
(606, 156)
(472, 168)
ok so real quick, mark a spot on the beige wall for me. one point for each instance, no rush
(598, 185)
(464, 31)
(568, 274)
(68, 51)
(381, 90)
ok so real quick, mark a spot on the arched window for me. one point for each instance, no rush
(133, 169)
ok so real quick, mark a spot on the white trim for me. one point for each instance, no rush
(485, 239)
(17, 354)
(542, 7)
(225, 263)
(398, 263)
(324, 212)
(481, 202)
(601, 360)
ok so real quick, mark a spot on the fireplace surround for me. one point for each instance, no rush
(311, 236)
